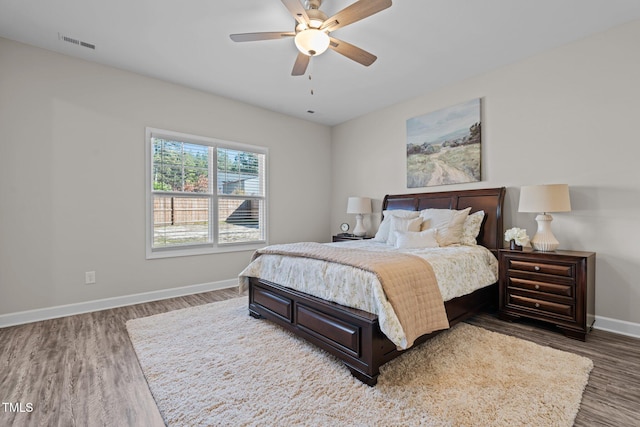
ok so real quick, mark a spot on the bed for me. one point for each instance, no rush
(354, 335)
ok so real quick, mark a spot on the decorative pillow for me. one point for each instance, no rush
(436, 218)
(382, 235)
(402, 224)
(471, 228)
(416, 239)
(449, 223)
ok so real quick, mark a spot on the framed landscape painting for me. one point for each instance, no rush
(443, 147)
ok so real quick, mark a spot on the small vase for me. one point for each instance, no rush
(513, 246)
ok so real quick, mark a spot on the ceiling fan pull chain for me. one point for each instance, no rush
(311, 110)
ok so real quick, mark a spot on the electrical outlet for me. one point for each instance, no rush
(89, 277)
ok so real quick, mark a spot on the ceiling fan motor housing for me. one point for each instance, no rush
(314, 4)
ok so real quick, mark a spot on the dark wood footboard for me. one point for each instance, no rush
(351, 335)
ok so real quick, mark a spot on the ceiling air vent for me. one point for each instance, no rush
(76, 41)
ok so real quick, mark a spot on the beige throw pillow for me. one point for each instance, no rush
(382, 235)
(402, 224)
(416, 239)
(448, 222)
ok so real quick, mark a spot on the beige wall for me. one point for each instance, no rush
(73, 139)
(565, 116)
(570, 115)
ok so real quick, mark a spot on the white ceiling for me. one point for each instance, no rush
(421, 44)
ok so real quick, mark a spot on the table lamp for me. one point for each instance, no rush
(359, 206)
(544, 199)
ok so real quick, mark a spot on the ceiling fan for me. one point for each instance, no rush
(311, 34)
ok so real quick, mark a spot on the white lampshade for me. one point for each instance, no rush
(543, 199)
(312, 42)
(359, 206)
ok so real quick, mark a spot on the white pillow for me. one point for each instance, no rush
(471, 228)
(402, 224)
(449, 223)
(417, 239)
(382, 235)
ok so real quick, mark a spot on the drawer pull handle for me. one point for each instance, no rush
(536, 268)
(537, 286)
(537, 305)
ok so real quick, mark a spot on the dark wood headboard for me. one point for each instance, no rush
(489, 200)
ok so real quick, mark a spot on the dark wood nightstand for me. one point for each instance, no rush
(556, 287)
(339, 238)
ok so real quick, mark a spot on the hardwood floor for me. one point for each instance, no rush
(82, 370)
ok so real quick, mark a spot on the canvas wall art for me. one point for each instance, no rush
(443, 147)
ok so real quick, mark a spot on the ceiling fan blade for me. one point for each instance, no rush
(352, 52)
(297, 10)
(252, 37)
(301, 64)
(355, 12)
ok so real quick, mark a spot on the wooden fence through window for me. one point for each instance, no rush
(194, 210)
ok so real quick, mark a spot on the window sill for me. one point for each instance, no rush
(174, 253)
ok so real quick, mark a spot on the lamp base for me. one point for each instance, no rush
(359, 230)
(544, 240)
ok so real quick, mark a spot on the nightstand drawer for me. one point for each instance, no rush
(565, 290)
(541, 305)
(540, 267)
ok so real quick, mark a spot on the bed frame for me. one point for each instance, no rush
(354, 336)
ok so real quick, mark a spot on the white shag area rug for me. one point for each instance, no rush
(214, 365)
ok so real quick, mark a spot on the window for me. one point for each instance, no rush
(203, 195)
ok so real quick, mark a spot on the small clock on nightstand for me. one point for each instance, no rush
(345, 235)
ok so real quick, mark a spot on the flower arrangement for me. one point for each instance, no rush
(518, 235)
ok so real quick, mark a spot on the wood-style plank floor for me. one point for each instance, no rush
(82, 370)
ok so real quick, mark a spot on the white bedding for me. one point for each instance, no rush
(459, 269)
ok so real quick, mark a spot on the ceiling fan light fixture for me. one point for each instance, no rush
(312, 42)
(315, 23)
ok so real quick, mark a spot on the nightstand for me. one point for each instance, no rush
(556, 287)
(339, 238)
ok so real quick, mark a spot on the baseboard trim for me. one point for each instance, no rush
(37, 315)
(622, 327)
(617, 326)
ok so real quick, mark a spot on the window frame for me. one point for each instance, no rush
(214, 246)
